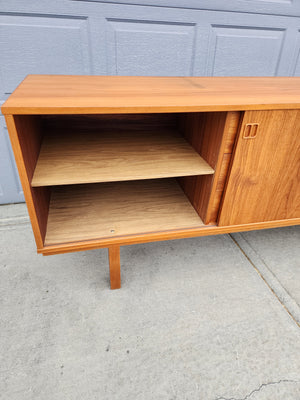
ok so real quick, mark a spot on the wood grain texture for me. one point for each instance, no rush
(204, 131)
(230, 133)
(203, 230)
(25, 136)
(264, 181)
(222, 164)
(93, 211)
(232, 128)
(210, 134)
(50, 94)
(220, 182)
(114, 267)
(215, 207)
(85, 157)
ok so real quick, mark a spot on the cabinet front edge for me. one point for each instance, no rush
(21, 110)
(162, 236)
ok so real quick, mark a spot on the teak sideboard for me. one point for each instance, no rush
(107, 161)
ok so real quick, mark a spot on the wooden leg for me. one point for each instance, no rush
(114, 267)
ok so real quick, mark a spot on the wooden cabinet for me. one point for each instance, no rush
(263, 182)
(110, 161)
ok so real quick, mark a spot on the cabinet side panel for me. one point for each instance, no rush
(211, 134)
(25, 136)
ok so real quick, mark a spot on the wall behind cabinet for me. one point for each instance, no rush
(257, 38)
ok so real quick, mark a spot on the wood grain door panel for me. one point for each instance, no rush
(264, 179)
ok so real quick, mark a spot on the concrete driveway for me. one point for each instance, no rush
(211, 318)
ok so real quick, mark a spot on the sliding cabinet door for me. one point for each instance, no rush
(264, 179)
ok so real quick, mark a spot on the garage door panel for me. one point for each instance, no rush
(42, 45)
(245, 51)
(150, 47)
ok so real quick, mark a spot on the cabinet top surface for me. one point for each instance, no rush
(65, 94)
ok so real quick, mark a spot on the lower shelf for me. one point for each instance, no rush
(94, 211)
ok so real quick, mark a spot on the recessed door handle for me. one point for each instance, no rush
(250, 131)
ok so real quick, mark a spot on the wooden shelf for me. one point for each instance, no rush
(94, 211)
(89, 157)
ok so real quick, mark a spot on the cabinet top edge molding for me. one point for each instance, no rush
(78, 94)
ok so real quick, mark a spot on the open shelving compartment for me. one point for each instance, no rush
(90, 149)
(96, 177)
(104, 210)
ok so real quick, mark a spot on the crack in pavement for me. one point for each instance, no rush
(285, 299)
(257, 390)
